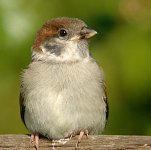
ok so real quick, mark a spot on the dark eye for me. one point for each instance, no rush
(62, 32)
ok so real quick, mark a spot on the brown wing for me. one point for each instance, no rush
(106, 100)
(22, 107)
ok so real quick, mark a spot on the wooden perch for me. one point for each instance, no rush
(97, 142)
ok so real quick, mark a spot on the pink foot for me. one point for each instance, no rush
(82, 133)
(35, 137)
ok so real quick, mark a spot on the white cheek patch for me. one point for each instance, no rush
(65, 51)
(68, 52)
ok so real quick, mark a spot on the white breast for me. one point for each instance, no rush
(63, 98)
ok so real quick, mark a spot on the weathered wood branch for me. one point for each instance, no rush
(99, 142)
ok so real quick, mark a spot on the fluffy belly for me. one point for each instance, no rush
(59, 116)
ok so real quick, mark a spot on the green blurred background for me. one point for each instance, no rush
(122, 47)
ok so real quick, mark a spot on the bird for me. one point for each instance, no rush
(63, 91)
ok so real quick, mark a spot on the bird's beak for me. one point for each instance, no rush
(85, 33)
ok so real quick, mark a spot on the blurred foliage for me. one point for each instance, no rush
(122, 47)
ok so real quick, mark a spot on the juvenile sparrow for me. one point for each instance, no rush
(62, 90)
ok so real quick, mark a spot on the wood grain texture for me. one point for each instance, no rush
(100, 142)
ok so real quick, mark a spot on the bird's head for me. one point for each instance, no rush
(62, 40)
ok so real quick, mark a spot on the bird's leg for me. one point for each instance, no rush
(32, 138)
(82, 133)
(79, 138)
(87, 133)
(37, 141)
(35, 137)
